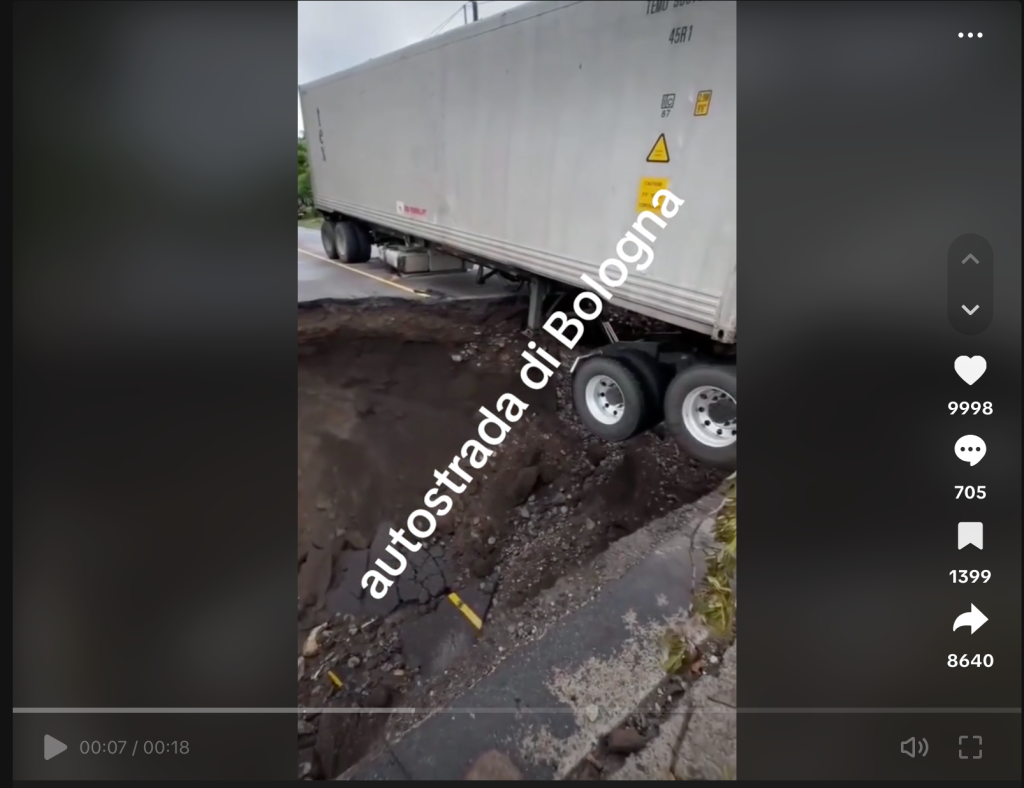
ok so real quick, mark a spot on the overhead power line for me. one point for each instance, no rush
(471, 4)
(447, 22)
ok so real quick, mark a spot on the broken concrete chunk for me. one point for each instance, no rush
(493, 765)
(623, 741)
(312, 646)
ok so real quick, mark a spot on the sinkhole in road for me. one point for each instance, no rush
(388, 392)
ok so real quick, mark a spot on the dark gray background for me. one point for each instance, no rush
(870, 138)
(154, 382)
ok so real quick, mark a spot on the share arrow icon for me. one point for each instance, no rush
(974, 620)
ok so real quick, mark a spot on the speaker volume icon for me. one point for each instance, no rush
(914, 747)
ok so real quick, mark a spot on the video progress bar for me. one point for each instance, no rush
(714, 708)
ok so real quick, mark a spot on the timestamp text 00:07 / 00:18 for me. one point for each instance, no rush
(148, 748)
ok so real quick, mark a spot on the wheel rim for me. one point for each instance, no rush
(709, 415)
(339, 243)
(605, 401)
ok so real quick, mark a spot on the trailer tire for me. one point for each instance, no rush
(653, 379)
(701, 433)
(609, 399)
(365, 241)
(350, 245)
(327, 238)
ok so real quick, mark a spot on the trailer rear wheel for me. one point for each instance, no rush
(327, 232)
(609, 398)
(700, 412)
(349, 241)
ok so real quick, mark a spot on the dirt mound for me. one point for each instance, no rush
(388, 393)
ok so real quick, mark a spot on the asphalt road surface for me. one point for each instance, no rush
(319, 278)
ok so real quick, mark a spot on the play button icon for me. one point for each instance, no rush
(52, 747)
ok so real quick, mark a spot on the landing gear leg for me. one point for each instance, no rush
(538, 294)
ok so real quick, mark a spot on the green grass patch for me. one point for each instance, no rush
(716, 599)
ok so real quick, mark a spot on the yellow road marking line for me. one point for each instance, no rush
(474, 619)
(363, 273)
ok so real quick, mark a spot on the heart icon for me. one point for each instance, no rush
(970, 368)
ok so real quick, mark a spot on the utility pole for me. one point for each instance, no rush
(475, 17)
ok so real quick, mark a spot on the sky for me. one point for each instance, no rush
(334, 36)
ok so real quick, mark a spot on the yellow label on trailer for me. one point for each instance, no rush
(645, 194)
(659, 153)
(703, 103)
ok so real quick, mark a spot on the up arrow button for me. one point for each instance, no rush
(970, 287)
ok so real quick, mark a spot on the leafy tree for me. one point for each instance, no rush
(305, 185)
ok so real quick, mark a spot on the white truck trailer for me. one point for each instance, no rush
(527, 144)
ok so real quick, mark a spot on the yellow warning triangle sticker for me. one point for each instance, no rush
(659, 153)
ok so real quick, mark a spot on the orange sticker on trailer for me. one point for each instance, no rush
(645, 194)
(702, 104)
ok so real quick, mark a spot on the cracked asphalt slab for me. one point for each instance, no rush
(546, 704)
(432, 641)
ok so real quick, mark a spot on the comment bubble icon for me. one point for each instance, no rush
(970, 449)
